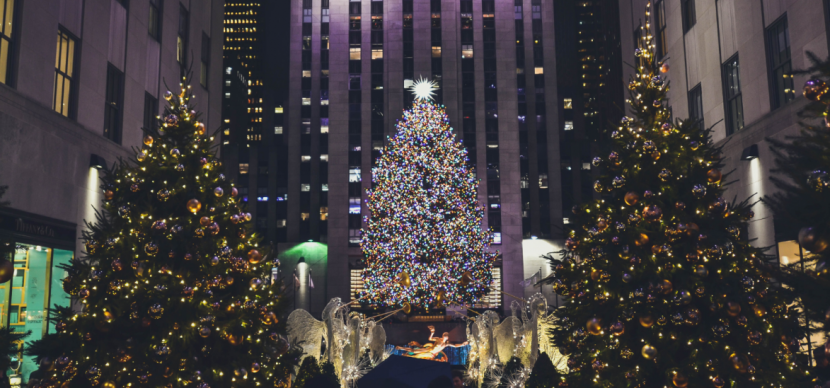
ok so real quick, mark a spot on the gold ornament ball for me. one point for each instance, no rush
(254, 257)
(108, 195)
(204, 221)
(194, 205)
(641, 239)
(733, 309)
(649, 352)
(235, 339)
(664, 68)
(631, 198)
(680, 380)
(255, 367)
(234, 192)
(714, 175)
(647, 321)
(148, 140)
(594, 326)
(718, 382)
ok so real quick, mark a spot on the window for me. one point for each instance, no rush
(687, 12)
(436, 52)
(569, 103)
(732, 96)
(151, 108)
(6, 49)
(305, 187)
(696, 105)
(377, 54)
(543, 181)
(154, 22)
(227, 94)
(539, 70)
(34, 289)
(243, 168)
(569, 125)
(113, 109)
(780, 64)
(660, 19)
(467, 51)
(324, 213)
(181, 39)
(354, 205)
(278, 130)
(354, 174)
(62, 101)
(203, 76)
(305, 158)
(354, 53)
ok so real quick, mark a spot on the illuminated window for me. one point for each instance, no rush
(496, 238)
(304, 216)
(543, 181)
(305, 158)
(305, 187)
(466, 51)
(436, 52)
(324, 125)
(324, 213)
(354, 53)
(227, 94)
(356, 279)
(566, 220)
(568, 102)
(227, 82)
(278, 110)
(539, 70)
(324, 157)
(493, 298)
(569, 125)
(278, 130)
(64, 74)
(306, 73)
(377, 53)
(324, 187)
(243, 168)
(280, 223)
(354, 205)
(354, 174)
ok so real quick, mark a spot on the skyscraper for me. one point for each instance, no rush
(350, 64)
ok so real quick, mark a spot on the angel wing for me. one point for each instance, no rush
(505, 338)
(377, 343)
(307, 332)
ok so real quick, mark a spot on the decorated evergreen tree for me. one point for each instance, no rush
(423, 243)
(803, 204)
(544, 374)
(664, 288)
(309, 369)
(174, 289)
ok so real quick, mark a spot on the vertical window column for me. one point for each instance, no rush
(114, 104)
(468, 86)
(524, 151)
(541, 120)
(408, 52)
(324, 121)
(491, 120)
(437, 68)
(355, 124)
(305, 126)
(377, 119)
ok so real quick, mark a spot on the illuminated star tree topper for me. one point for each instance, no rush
(424, 89)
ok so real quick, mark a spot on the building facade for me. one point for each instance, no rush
(731, 67)
(351, 64)
(80, 79)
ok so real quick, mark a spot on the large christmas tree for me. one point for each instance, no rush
(803, 204)
(174, 289)
(664, 288)
(423, 243)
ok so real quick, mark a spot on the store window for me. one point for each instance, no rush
(35, 287)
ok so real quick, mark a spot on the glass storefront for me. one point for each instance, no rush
(34, 288)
